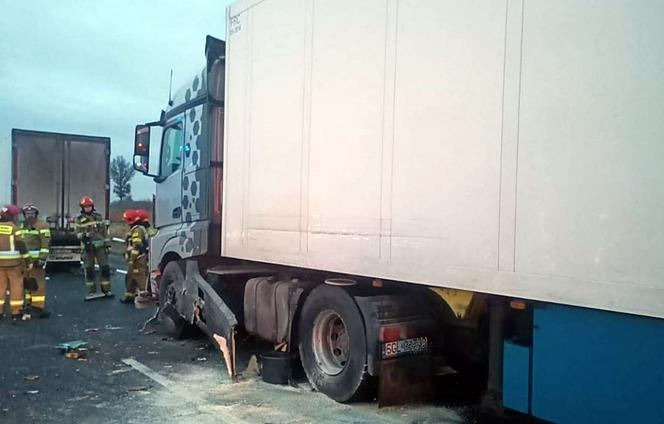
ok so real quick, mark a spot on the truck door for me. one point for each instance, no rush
(169, 181)
(195, 193)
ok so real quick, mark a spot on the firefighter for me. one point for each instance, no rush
(37, 237)
(136, 253)
(92, 231)
(14, 260)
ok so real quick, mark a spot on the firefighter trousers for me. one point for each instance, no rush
(137, 275)
(89, 254)
(37, 298)
(11, 277)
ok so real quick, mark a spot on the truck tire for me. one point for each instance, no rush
(332, 344)
(172, 280)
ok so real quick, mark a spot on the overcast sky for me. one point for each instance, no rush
(97, 67)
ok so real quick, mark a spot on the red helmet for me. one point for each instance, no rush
(9, 211)
(131, 216)
(86, 201)
(142, 215)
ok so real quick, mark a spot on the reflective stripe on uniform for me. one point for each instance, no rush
(38, 299)
(6, 230)
(43, 250)
(10, 254)
(16, 302)
(25, 232)
(34, 254)
(46, 232)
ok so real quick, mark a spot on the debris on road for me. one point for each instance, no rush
(31, 378)
(110, 327)
(120, 371)
(31, 392)
(76, 354)
(138, 389)
(252, 367)
(78, 398)
(72, 345)
(91, 330)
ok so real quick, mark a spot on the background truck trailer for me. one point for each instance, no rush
(438, 156)
(54, 171)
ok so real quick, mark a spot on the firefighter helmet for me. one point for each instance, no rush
(143, 215)
(86, 201)
(9, 211)
(29, 207)
(131, 216)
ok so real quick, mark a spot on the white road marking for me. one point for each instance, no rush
(121, 271)
(155, 376)
(224, 416)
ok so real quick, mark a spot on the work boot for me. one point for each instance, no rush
(128, 298)
(106, 287)
(41, 313)
(91, 287)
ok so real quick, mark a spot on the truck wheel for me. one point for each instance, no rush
(332, 344)
(172, 281)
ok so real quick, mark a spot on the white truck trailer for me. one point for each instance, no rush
(389, 185)
(53, 171)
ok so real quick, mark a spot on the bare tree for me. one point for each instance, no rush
(121, 173)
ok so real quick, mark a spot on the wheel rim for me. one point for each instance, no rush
(330, 342)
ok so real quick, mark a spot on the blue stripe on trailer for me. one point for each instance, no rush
(596, 366)
(516, 369)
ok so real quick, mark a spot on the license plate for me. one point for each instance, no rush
(404, 347)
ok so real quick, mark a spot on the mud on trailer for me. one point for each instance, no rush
(393, 188)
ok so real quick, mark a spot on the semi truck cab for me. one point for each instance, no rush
(187, 166)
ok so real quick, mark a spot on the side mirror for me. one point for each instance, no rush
(142, 149)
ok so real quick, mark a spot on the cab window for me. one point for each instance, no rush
(171, 150)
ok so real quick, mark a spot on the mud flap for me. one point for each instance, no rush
(212, 315)
(405, 380)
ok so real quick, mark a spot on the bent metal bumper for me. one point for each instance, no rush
(211, 314)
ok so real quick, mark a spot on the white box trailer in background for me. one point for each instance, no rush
(53, 171)
(506, 151)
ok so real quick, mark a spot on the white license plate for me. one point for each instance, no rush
(404, 347)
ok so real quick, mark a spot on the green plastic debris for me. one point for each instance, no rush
(72, 345)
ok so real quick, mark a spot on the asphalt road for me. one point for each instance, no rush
(134, 377)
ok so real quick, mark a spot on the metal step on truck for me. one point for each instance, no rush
(395, 188)
(53, 171)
